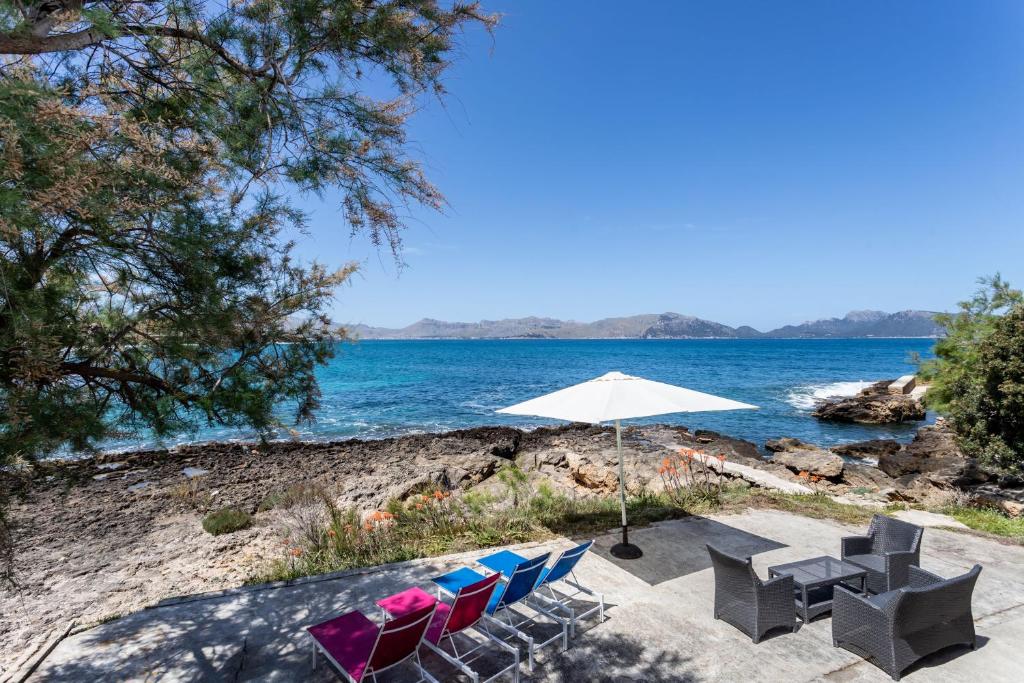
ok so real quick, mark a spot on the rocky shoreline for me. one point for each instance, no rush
(885, 402)
(110, 534)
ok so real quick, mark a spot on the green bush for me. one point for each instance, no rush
(296, 494)
(978, 375)
(226, 520)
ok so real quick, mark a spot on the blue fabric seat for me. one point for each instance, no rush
(453, 582)
(563, 572)
(516, 588)
(503, 562)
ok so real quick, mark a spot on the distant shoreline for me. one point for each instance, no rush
(855, 325)
(642, 339)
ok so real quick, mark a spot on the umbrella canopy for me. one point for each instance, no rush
(615, 396)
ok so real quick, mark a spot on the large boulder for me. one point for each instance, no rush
(933, 451)
(786, 443)
(858, 476)
(873, 405)
(875, 448)
(812, 460)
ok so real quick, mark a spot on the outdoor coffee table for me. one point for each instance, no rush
(814, 580)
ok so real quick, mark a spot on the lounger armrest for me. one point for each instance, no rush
(920, 578)
(856, 545)
(898, 564)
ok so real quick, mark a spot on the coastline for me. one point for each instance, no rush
(643, 339)
(113, 533)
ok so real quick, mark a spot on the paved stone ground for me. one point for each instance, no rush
(658, 628)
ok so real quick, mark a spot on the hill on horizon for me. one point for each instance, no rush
(662, 326)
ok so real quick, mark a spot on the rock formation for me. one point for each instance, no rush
(803, 457)
(873, 405)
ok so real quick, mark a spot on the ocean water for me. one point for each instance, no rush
(375, 389)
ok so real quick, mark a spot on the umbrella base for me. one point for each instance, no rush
(626, 551)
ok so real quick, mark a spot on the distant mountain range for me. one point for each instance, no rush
(662, 326)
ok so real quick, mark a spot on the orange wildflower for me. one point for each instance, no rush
(438, 495)
(419, 506)
(368, 526)
(804, 475)
(296, 552)
(332, 533)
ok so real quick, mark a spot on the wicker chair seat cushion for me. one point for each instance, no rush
(875, 563)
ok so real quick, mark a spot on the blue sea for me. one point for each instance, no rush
(375, 389)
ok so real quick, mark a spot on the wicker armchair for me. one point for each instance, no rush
(897, 628)
(890, 548)
(748, 603)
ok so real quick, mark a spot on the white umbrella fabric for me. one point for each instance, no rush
(615, 396)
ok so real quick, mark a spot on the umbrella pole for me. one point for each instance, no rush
(624, 550)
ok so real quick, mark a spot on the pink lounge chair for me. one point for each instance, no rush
(466, 611)
(359, 648)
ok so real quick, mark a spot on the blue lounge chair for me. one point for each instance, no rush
(561, 572)
(518, 585)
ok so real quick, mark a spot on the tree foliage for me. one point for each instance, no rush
(978, 374)
(152, 154)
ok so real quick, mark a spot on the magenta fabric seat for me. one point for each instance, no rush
(400, 637)
(414, 599)
(360, 647)
(409, 600)
(349, 640)
(436, 629)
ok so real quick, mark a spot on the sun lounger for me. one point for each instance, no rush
(518, 585)
(360, 648)
(562, 572)
(465, 612)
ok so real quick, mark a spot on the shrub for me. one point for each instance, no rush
(978, 375)
(226, 520)
(296, 494)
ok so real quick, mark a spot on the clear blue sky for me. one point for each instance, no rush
(752, 162)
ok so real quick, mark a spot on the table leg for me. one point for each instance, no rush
(803, 599)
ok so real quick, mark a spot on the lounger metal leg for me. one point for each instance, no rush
(454, 661)
(517, 633)
(424, 674)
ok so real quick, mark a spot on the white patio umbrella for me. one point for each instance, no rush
(615, 396)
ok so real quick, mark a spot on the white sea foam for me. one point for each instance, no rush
(808, 396)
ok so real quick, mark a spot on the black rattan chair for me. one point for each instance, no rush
(890, 548)
(897, 628)
(748, 603)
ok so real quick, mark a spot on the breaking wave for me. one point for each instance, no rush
(808, 396)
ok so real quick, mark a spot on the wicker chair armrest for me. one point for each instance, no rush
(843, 596)
(856, 545)
(904, 557)
(897, 565)
(851, 610)
(920, 578)
(782, 584)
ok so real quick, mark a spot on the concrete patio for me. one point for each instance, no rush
(659, 625)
